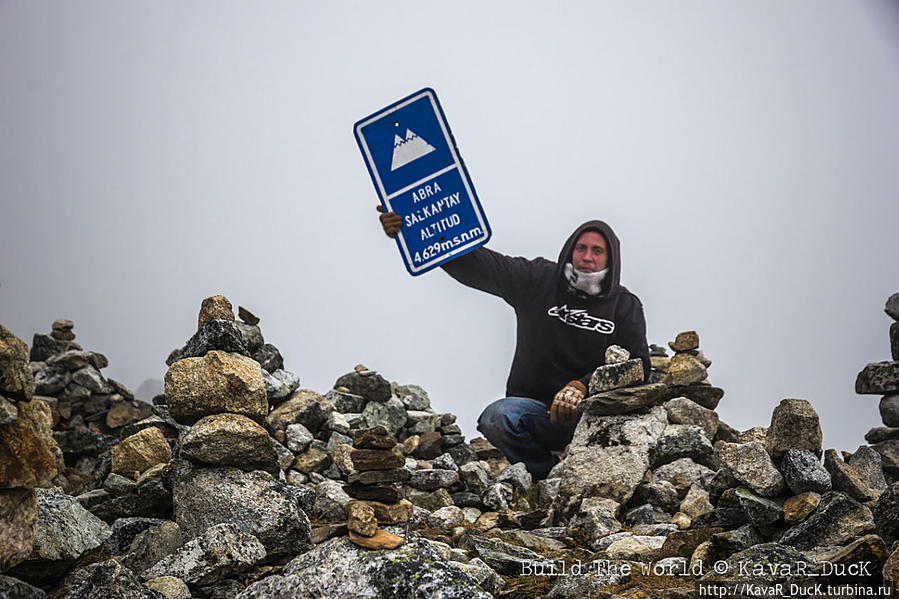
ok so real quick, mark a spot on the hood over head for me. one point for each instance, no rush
(610, 284)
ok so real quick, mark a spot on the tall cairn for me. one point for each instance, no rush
(882, 378)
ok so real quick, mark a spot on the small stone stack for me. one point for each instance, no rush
(90, 412)
(882, 378)
(377, 500)
(686, 372)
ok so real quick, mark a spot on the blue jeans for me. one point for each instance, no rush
(521, 429)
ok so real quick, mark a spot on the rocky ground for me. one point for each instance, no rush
(238, 482)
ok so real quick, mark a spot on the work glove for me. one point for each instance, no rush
(390, 222)
(564, 407)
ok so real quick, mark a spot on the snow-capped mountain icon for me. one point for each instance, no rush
(409, 149)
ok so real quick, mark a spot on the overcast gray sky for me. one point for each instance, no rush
(155, 153)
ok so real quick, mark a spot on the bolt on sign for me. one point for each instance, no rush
(416, 169)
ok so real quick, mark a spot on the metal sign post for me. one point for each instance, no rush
(417, 171)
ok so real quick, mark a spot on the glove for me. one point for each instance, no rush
(390, 222)
(564, 407)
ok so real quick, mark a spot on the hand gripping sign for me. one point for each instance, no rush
(417, 171)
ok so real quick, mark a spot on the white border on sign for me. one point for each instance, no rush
(457, 164)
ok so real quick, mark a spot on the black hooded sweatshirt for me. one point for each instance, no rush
(563, 333)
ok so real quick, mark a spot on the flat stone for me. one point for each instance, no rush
(374, 477)
(16, 380)
(595, 518)
(838, 520)
(140, 451)
(867, 463)
(616, 375)
(434, 500)
(507, 559)
(51, 380)
(797, 508)
(380, 540)
(218, 382)
(230, 440)
(170, 586)
(686, 469)
(376, 459)
(625, 400)
(878, 378)
(684, 369)
(247, 316)
(794, 425)
(126, 412)
(214, 307)
(696, 502)
(685, 341)
(392, 513)
(108, 580)
(760, 511)
(431, 480)
(383, 493)
(346, 403)
(446, 518)
(90, 378)
(751, 465)
(18, 515)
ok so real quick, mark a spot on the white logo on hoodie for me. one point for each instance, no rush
(582, 319)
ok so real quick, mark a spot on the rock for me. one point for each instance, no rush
(380, 540)
(119, 485)
(696, 502)
(894, 341)
(611, 472)
(641, 431)
(254, 501)
(797, 508)
(724, 544)
(346, 403)
(684, 369)
(111, 580)
(64, 531)
(269, 357)
(759, 511)
(370, 385)
(661, 494)
(889, 455)
(27, 457)
(889, 409)
(230, 440)
(794, 425)
(171, 587)
(45, 346)
(90, 378)
(683, 543)
(892, 306)
(391, 414)
(431, 480)
(505, 558)
(803, 472)
(845, 478)
(314, 459)
(616, 375)
(153, 544)
(140, 451)
(413, 397)
(12, 588)
(217, 382)
(685, 341)
(595, 518)
(126, 412)
(838, 520)
(682, 441)
(615, 354)
(518, 476)
(878, 378)
(867, 464)
(484, 576)
(220, 551)
(337, 422)
(361, 518)
(623, 401)
(691, 472)
(393, 513)
(886, 514)
(18, 514)
(373, 477)
(247, 316)
(150, 499)
(16, 380)
(681, 410)
(337, 567)
(330, 501)
(298, 437)
(51, 380)
(446, 518)
(305, 407)
(215, 307)
(751, 465)
(275, 390)
(251, 335)
(634, 548)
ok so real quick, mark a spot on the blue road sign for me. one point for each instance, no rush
(417, 171)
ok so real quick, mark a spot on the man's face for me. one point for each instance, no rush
(590, 252)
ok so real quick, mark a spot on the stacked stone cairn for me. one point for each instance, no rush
(882, 378)
(90, 412)
(242, 484)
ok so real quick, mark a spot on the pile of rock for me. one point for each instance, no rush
(89, 411)
(882, 378)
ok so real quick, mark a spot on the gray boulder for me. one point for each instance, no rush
(611, 472)
(642, 431)
(222, 550)
(257, 503)
(838, 520)
(340, 570)
(803, 472)
(878, 378)
(217, 334)
(693, 473)
(391, 414)
(431, 480)
(681, 410)
(230, 440)
(794, 425)
(867, 464)
(111, 580)
(13, 588)
(682, 441)
(751, 465)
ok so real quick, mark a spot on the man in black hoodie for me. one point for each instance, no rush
(568, 312)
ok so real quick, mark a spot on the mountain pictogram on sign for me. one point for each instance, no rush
(409, 149)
